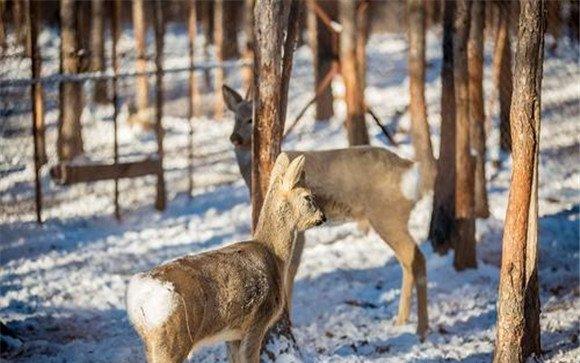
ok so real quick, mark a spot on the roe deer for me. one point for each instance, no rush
(366, 184)
(235, 293)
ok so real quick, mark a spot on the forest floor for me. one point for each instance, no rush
(62, 284)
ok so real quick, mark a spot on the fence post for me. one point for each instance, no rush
(159, 32)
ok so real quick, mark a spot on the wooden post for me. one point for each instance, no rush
(193, 92)
(159, 32)
(421, 135)
(115, 23)
(37, 105)
(443, 215)
(140, 31)
(349, 68)
(464, 245)
(97, 47)
(476, 110)
(518, 323)
(70, 142)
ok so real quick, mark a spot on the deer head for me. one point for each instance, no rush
(288, 202)
(241, 136)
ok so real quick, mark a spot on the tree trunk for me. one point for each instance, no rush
(363, 28)
(207, 18)
(443, 216)
(223, 48)
(502, 74)
(37, 89)
(140, 31)
(417, 108)
(476, 110)
(518, 324)
(248, 49)
(464, 245)
(159, 28)
(84, 34)
(354, 93)
(554, 22)
(192, 34)
(324, 54)
(97, 46)
(271, 77)
(2, 26)
(70, 142)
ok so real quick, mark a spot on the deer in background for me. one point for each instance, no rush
(233, 294)
(365, 184)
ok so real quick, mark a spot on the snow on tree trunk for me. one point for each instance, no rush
(70, 142)
(273, 63)
(354, 92)
(476, 110)
(464, 240)
(441, 227)
(518, 324)
(417, 107)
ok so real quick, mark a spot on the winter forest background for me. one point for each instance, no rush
(121, 189)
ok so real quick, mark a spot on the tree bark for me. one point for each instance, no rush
(354, 92)
(476, 108)
(248, 49)
(192, 36)
(140, 31)
(417, 107)
(207, 20)
(2, 26)
(97, 48)
(443, 216)
(159, 27)
(324, 54)
(502, 74)
(70, 142)
(225, 37)
(518, 324)
(464, 244)
(271, 77)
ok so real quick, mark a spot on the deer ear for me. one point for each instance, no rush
(293, 173)
(279, 168)
(231, 97)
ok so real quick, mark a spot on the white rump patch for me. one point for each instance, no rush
(149, 301)
(410, 181)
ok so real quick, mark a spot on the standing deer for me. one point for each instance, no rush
(233, 294)
(365, 184)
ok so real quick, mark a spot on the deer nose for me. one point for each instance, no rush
(236, 139)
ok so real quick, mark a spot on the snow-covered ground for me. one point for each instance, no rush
(62, 284)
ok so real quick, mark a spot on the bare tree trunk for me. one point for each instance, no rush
(418, 109)
(248, 49)
(2, 25)
(502, 74)
(476, 110)
(207, 19)
(84, 34)
(354, 93)
(271, 77)
(18, 21)
(159, 28)
(554, 22)
(518, 324)
(192, 34)
(324, 54)
(443, 217)
(140, 32)
(464, 245)
(70, 142)
(220, 52)
(98, 47)
(363, 28)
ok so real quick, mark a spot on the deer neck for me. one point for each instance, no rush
(274, 231)
(244, 159)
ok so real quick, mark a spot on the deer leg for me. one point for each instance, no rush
(234, 351)
(251, 344)
(412, 262)
(293, 268)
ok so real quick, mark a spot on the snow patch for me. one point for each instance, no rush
(150, 301)
(410, 182)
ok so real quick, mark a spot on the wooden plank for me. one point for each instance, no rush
(68, 174)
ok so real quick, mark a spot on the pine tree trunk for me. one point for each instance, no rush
(476, 110)
(70, 142)
(502, 74)
(321, 40)
(97, 45)
(518, 324)
(192, 35)
(248, 49)
(417, 107)
(225, 36)
(207, 18)
(271, 77)
(443, 216)
(354, 93)
(2, 26)
(140, 30)
(464, 244)
(362, 26)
